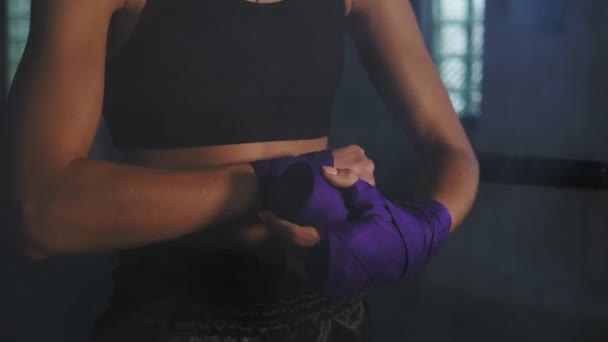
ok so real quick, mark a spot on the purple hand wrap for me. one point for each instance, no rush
(267, 169)
(378, 242)
(293, 195)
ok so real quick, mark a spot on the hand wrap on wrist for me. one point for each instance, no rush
(267, 169)
(295, 195)
(378, 242)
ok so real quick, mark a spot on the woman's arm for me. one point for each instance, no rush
(393, 52)
(68, 203)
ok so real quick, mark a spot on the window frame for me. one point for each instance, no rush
(4, 60)
(424, 13)
(10, 45)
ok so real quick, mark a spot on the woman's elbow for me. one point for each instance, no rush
(38, 240)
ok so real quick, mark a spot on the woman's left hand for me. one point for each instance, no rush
(353, 157)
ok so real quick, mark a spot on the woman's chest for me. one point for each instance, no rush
(236, 47)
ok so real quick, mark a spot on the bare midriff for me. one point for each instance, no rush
(219, 155)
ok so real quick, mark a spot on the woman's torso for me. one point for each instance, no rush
(181, 276)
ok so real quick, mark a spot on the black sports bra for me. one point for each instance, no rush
(215, 72)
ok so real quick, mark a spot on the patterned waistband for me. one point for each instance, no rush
(192, 317)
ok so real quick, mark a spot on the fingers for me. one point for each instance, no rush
(254, 235)
(369, 178)
(340, 178)
(365, 169)
(353, 157)
(299, 235)
(345, 156)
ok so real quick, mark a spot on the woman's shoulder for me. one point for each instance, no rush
(56, 11)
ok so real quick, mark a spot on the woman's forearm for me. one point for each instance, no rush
(450, 177)
(96, 205)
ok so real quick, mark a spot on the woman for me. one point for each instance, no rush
(193, 92)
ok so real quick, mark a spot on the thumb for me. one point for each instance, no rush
(299, 235)
(341, 178)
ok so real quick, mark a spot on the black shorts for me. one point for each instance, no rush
(306, 319)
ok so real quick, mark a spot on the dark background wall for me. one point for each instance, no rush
(530, 262)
